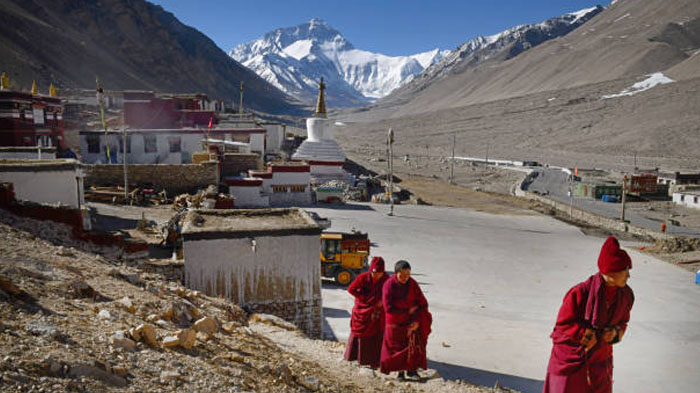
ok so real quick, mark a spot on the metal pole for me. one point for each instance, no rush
(487, 151)
(240, 106)
(126, 180)
(390, 143)
(624, 196)
(571, 195)
(452, 167)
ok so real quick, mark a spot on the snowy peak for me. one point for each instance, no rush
(295, 58)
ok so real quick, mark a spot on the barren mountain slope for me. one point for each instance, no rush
(571, 127)
(129, 44)
(630, 38)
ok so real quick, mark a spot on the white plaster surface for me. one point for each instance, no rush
(47, 187)
(247, 196)
(495, 284)
(292, 257)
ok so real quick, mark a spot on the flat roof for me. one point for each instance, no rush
(236, 223)
(16, 165)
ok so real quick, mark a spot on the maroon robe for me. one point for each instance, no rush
(367, 320)
(590, 304)
(402, 350)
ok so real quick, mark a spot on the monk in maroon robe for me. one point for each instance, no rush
(407, 324)
(592, 318)
(367, 320)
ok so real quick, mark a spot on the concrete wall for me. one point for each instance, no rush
(279, 275)
(45, 186)
(27, 153)
(189, 143)
(248, 196)
(175, 179)
(275, 137)
(235, 163)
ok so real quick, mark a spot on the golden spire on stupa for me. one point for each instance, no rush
(34, 88)
(4, 82)
(52, 91)
(321, 104)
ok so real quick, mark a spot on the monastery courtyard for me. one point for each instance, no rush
(495, 283)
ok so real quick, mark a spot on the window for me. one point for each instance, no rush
(128, 144)
(695, 200)
(175, 144)
(682, 198)
(93, 142)
(149, 144)
(297, 188)
(279, 189)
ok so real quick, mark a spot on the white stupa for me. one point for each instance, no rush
(320, 150)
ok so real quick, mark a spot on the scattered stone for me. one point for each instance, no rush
(171, 341)
(82, 370)
(201, 336)
(310, 382)
(187, 338)
(82, 290)
(273, 321)
(127, 304)
(206, 325)
(42, 329)
(147, 333)
(162, 323)
(152, 317)
(9, 287)
(104, 314)
(169, 376)
(119, 340)
(120, 371)
(230, 327)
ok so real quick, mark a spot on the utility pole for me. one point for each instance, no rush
(571, 195)
(240, 106)
(635, 160)
(126, 179)
(452, 167)
(390, 162)
(487, 151)
(624, 196)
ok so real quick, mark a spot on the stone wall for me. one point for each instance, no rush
(304, 314)
(175, 179)
(235, 163)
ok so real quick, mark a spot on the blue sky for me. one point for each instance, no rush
(391, 27)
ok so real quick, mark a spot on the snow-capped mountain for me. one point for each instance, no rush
(497, 47)
(294, 59)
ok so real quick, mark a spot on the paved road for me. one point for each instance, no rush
(495, 283)
(555, 184)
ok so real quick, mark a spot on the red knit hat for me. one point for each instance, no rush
(612, 258)
(377, 265)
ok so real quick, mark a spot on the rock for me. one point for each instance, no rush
(167, 315)
(120, 371)
(9, 287)
(206, 325)
(82, 290)
(162, 323)
(366, 371)
(187, 338)
(126, 303)
(171, 341)
(152, 317)
(201, 336)
(42, 329)
(169, 376)
(135, 334)
(230, 327)
(272, 320)
(431, 374)
(147, 333)
(82, 370)
(310, 382)
(119, 340)
(104, 314)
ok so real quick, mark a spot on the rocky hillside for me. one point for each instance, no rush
(74, 321)
(128, 44)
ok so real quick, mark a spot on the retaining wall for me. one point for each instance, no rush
(174, 179)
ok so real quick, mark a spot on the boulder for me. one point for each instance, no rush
(119, 340)
(187, 338)
(147, 333)
(206, 325)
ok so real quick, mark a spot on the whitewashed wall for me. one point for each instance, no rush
(46, 186)
(275, 137)
(261, 270)
(689, 200)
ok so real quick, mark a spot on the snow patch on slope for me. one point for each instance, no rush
(652, 81)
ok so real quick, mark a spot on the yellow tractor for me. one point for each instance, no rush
(343, 255)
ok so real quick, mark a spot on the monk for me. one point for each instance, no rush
(367, 320)
(407, 324)
(592, 318)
